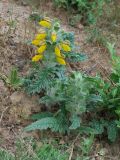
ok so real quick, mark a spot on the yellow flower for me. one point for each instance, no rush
(61, 61)
(65, 47)
(45, 23)
(54, 37)
(57, 51)
(40, 36)
(41, 49)
(36, 42)
(36, 58)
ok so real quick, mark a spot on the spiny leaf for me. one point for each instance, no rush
(112, 131)
(41, 115)
(97, 126)
(42, 124)
(75, 122)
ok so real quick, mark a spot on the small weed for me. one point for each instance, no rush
(96, 36)
(5, 155)
(107, 27)
(86, 11)
(30, 150)
(13, 80)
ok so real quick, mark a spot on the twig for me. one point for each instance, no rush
(111, 158)
(91, 69)
(71, 153)
(72, 147)
(3, 114)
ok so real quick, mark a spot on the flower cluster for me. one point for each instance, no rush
(50, 38)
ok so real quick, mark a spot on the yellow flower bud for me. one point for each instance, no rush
(45, 23)
(36, 42)
(40, 36)
(54, 37)
(57, 51)
(36, 58)
(61, 61)
(41, 49)
(65, 47)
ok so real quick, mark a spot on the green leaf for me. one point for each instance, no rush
(97, 126)
(111, 48)
(50, 152)
(56, 124)
(118, 123)
(35, 17)
(86, 130)
(86, 145)
(75, 122)
(114, 92)
(5, 155)
(76, 57)
(112, 131)
(13, 79)
(95, 98)
(43, 124)
(117, 111)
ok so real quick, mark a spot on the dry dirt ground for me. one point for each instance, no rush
(15, 31)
